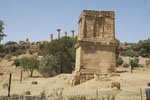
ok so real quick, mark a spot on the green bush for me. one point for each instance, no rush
(142, 51)
(140, 65)
(29, 63)
(145, 44)
(64, 52)
(84, 98)
(16, 62)
(8, 57)
(129, 53)
(10, 43)
(48, 66)
(30, 52)
(125, 65)
(119, 61)
(147, 62)
(134, 62)
(78, 98)
(2, 55)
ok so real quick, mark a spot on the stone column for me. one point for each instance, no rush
(65, 34)
(72, 33)
(58, 33)
(27, 40)
(51, 37)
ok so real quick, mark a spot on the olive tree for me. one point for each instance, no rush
(30, 64)
(48, 66)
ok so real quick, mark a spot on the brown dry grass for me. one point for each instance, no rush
(130, 83)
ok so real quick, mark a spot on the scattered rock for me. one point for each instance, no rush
(115, 84)
(103, 78)
(1, 74)
(124, 71)
(34, 82)
(114, 74)
(28, 93)
(5, 85)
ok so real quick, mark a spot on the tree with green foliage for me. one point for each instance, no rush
(16, 62)
(10, 43)
(134, 63)
(125, 65)
(142, 51)
(129, 53)
(145, 44)
(48, 66)
(119, 61)
(2, 35)
(29, 63)
(64, 52)
(8, 57)
(117, 51)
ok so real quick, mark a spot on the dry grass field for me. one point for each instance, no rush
(130, 83)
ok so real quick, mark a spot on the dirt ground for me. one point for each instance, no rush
(130, 83)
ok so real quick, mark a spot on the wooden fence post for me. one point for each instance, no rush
(21, 77)
(9, 85)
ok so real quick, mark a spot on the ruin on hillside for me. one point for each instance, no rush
(96, 45)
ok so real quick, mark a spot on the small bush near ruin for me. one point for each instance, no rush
(16, 62)
(119, 61)
(64, 52)
(134, 63)
(8, 57)
(147, 62)
(2, 55)
(84, 98)
(10, 43)
(29, 63)
(48, 66)
(125, 65)
(78, 98)
(129, 53)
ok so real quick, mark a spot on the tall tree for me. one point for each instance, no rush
(29, 63)
(2, 35)
(64, 52)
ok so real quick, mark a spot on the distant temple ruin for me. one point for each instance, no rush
(96, 45)
(43, 42)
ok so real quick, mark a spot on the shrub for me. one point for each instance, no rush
(29, 63)
(78, 98)
(2, 55)
(16, 62)
(142, 51)
(64, 52)
(140, 65)
(145, 44)
(48, 66)
(147, 62)
(119, 61)
(30, 52)
(129, 53)
(10, 43)
(125, 65)
(134, 62)
(8, 57)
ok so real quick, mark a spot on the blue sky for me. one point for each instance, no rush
(36, 19)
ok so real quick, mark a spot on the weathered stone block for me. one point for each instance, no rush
(96, 44)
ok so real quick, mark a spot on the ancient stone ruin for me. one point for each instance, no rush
(96, 45)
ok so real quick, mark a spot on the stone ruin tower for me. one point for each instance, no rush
(96, 45)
